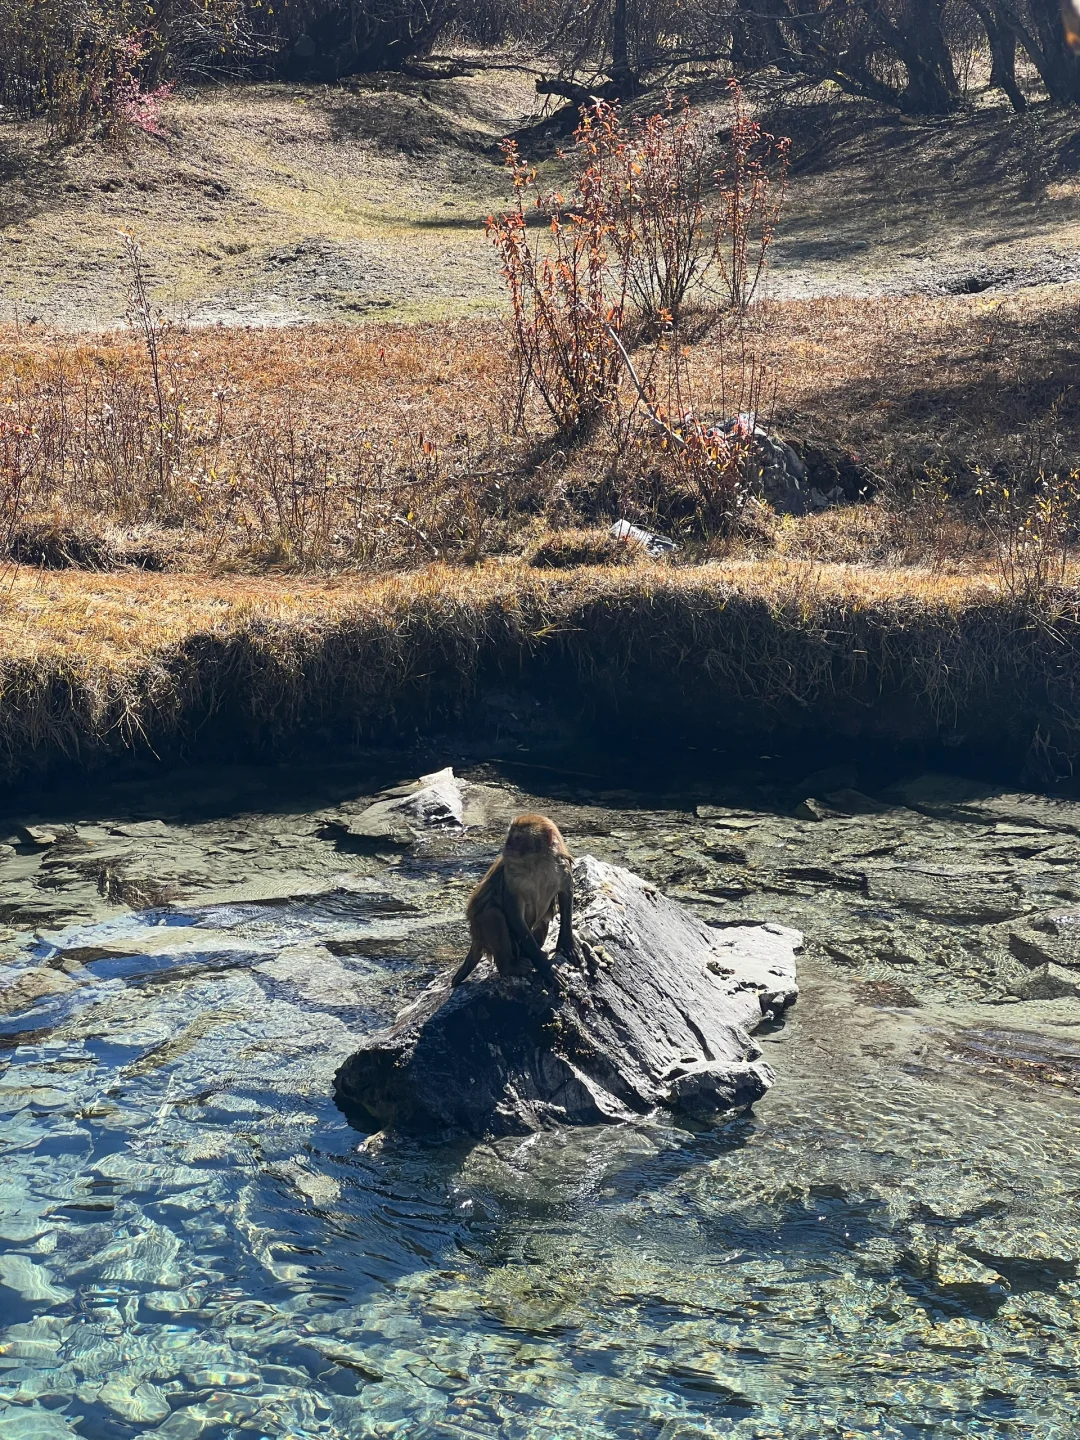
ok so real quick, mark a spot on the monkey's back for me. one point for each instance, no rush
(536, 862)
(533, 866)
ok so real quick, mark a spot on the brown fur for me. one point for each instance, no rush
(510, 911)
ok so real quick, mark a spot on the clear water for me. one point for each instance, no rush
(194, 1241)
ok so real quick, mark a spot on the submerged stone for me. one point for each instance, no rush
(1052, 938)
(136, 1400)
(34, 1422)
(657, 1013)
(833, 777)
(30, 986)
(975, 894)
(313, 975)
(812, 809)
(853, 802)
(1047, 982)
(940, 792)
(30, 1280)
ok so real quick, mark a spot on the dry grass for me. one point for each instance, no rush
(125, 619)
(320, 448)
(331, 448)
(96, 664)
(347, 529)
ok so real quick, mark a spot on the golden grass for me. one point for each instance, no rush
(337, 448)
(123, 618)
(96, 665)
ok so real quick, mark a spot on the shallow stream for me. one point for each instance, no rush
(195, 1242)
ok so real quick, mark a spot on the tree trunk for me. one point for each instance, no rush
(919, 41)
(1041, 33)
(756, 37)
(622, 75)
(1002, 57)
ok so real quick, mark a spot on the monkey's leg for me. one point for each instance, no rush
(497, 941)
(468, 965)
(523, 935)
(526, 942)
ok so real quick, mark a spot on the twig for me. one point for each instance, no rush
(650, 409)
(413, 529)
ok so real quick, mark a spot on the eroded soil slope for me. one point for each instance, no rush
(274, 204)
(266, 205)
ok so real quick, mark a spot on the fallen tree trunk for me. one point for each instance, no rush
(578, 95)
(659, 1012)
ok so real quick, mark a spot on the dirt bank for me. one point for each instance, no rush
(102, 665)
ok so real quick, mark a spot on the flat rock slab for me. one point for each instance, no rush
(1053, 937)
(658, 1012)
(964, 894)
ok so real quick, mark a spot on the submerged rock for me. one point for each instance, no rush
(1048, 939)
(30, 986)
(833, 777)
(973, 894)
(138, 1401)
(1047, 982)
(658, 1012)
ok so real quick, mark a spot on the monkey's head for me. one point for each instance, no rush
(533, 835)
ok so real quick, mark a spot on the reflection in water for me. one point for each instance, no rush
(195, 1243)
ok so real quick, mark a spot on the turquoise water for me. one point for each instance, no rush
(195, 1243)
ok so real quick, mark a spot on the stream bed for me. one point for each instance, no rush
(195, 1242)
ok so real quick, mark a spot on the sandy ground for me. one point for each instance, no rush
(276, 204)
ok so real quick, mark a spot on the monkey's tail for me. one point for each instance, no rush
(468, 965)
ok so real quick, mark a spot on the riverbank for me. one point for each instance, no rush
(95, 666)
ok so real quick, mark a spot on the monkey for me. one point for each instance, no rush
(1070, 19)
(510, 910)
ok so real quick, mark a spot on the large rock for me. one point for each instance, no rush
(658, 1012)
(434, 802)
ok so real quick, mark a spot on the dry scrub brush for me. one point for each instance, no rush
(103, 67)
(316, 450)
(332, 448)
(653, 216)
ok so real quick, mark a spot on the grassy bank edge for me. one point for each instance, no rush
(714, 651)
